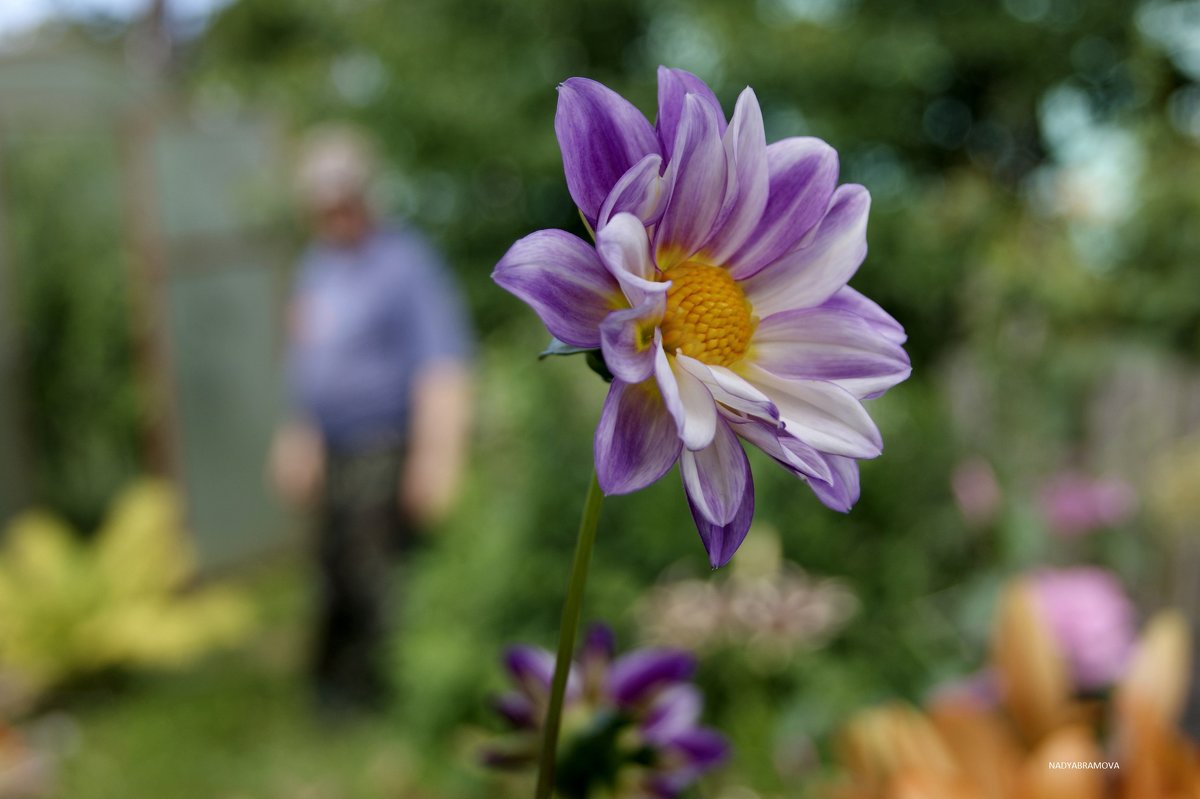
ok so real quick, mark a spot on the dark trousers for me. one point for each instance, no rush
(361, 531)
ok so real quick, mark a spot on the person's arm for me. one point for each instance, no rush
(441, 407)
(296, 463)
(440, 426)
(296, 459)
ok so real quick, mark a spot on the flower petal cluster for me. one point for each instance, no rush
(1093, 621)
(630, 723)
(716, 293)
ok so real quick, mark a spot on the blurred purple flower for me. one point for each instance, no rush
(630, 723)
(1092, 619)
(716, 293)
(1075, 504)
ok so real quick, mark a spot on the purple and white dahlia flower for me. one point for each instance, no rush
(716, 294)
(630, 724)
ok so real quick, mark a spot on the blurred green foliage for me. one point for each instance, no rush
(70, 609)
(64, 237)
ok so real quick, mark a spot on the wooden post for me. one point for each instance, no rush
(16, 463)
(146, 249)
(147, 258)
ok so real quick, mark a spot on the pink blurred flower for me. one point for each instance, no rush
(1092, 619)
(976, 491)
(1075, 504)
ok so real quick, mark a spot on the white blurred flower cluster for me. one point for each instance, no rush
(768, 607)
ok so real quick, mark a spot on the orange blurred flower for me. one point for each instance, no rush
(1040, 741)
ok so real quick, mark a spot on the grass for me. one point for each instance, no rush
(237, 726)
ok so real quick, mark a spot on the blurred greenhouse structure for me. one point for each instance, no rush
(1034, 168)
(183, 219)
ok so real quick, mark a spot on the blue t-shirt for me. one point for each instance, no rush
(366, 320)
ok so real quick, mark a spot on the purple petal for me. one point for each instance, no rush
(811, 274)
(636, 442)
(803, 173)
(531, 668)
(670, 785)
(841, 491)
(562, 279)
(749, 181)
(637, 676)
(640, 191)
(847, 299)
(789, 451)
(717, 477)
(696, 176)
(673, 87)
(601, 135)
(703, 748)
(517, 709)
(687, 399)
(721, 541)
(820, 414)
(598, 643)
(594, 658)
(826, 344)
(511, 752)
(627, 339)
(674, 712)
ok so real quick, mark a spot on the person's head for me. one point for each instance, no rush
(333, 181)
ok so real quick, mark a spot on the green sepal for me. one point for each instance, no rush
(595, 359)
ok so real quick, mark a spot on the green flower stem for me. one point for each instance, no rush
(566, 636)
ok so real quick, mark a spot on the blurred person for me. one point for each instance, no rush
(377, 364)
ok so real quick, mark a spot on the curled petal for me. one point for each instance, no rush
(627, 339)
(803, 173)
(789, 451)
(624, 249)
(825, 344)
(601, 135)
(673, 87)
(640, 192)
(721, 541)
(636, 441)
(749, 181)
(847, 299)
(696, 175)
(562, 279)
(730, 389)
(812, 273)
(637, 676)
(822, 415)
(688, 401)
(841, 490)
(717, 477)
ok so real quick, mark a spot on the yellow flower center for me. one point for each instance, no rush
(708, 316)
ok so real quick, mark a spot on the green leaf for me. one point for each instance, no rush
(556, 347)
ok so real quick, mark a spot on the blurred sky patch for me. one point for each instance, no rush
(18, 16)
